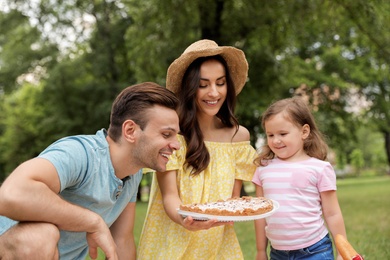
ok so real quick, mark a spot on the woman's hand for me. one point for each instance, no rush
(194, 225)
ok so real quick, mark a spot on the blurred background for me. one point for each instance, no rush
(62, 63)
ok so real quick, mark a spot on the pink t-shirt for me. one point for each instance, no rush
(296, 186)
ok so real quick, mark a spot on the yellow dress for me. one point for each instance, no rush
(162, 238)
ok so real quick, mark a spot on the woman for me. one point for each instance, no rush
(214, 158)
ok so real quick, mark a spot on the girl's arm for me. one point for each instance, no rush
(332, 215)
(261, 239)
(172, 201)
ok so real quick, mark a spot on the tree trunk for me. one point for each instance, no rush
(387, 147)
(211, 19)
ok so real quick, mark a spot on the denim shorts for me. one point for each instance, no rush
(322, 250)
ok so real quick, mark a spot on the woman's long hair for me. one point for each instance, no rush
(197, 154)
(297, 112)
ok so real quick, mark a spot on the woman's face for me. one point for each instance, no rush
(212, 89)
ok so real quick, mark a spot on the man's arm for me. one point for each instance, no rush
(30, 193)
(122, 231)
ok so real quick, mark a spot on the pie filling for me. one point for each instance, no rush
(244, 206)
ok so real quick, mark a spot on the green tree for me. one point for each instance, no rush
(357, 160)
(24, 131)
(328, 51)
(78, 90)
(23, 51)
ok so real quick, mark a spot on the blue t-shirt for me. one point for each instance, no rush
(87, 179)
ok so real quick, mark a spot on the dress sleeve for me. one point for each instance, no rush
(245, 168)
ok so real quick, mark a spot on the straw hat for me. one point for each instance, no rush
(235, 59)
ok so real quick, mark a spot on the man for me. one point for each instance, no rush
(80, 192)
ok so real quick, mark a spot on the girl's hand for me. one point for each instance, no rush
(345, 249)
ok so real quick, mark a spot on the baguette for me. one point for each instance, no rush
(345, 248)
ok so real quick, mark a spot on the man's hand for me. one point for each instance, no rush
(195, 225)
(104, 240)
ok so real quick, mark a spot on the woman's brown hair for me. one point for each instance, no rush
(197, 154)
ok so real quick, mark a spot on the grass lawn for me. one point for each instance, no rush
(365, 203)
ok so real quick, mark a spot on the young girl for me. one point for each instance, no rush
(293, 171)
(214, 158)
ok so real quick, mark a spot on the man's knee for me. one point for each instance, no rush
(30, 241)
(47, 231)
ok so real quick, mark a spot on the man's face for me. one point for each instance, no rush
(158, 139)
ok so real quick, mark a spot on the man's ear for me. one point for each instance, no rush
(129, 129)
(305, 131)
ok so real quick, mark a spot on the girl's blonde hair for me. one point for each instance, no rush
(297, 112)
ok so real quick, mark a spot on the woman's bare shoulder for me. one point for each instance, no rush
(241, 135)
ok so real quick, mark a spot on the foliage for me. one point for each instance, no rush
(333, 53)
(24, 134)
(357, 160)
(156, 38)
(22, 50)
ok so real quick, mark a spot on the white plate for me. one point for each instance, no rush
(200, 216)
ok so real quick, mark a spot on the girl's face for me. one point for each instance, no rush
(286, 139)
(212, 89)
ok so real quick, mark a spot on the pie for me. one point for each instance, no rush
(244, 206)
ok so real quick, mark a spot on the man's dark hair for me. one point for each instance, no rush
(134, 102)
